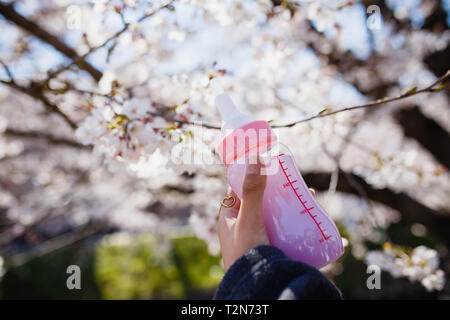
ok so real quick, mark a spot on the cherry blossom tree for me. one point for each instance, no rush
(107, 118)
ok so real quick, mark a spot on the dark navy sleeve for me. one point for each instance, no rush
(265, 272)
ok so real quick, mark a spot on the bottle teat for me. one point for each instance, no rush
(232, 118)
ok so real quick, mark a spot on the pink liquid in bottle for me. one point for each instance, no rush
(294, 220)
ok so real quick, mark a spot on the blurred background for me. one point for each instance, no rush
(95, 96)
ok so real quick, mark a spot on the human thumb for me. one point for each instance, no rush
(252, 193)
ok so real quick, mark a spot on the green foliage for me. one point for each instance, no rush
(198, 270)
(135, 270)
(45, 277)
(120, 266)
(143, 268)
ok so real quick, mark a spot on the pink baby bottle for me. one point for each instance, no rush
(294, 220)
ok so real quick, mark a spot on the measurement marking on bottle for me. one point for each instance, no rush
(313, 217)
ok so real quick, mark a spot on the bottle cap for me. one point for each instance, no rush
(241, 134)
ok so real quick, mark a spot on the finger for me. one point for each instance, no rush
(227, 215)
(254, 182)
(252, 193)
(231, 192)
(231, 212)
(313, 192)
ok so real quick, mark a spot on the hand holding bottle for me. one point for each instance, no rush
(294, 221)
(241, 226)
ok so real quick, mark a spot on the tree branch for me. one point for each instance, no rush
(412, 92)
(35, 91)
(376, 103)
(427, 132)
(56, 243)
(8, 11)
(8, 72)
(45, 136)
(52, 74)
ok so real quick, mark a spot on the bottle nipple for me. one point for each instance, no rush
(232, 118)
